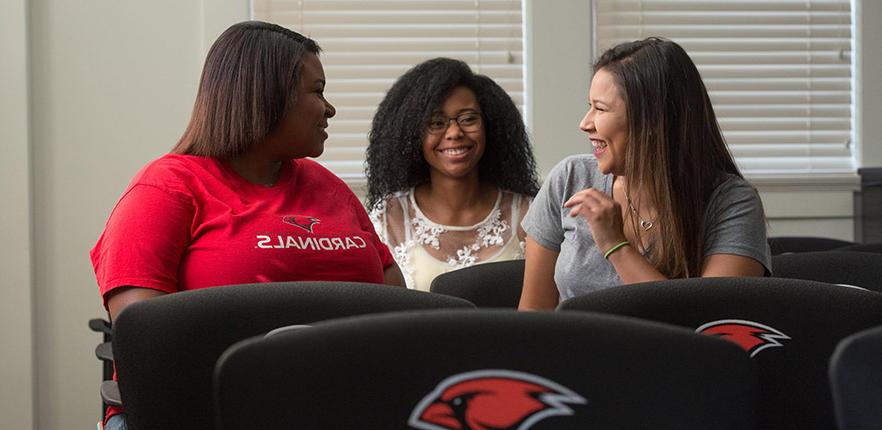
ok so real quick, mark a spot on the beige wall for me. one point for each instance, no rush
(16, 302)
(111, 82)
(90, 91)
(558, 63)
(802, 208)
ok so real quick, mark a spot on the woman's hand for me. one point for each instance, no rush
(603, 214)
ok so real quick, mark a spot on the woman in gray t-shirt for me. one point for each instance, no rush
(660, 197)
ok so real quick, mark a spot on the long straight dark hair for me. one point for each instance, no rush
(248, 82)
(676, 150)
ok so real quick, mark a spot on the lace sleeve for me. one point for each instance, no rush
(390, 222)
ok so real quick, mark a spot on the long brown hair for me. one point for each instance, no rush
(248, 82)
(676, 151)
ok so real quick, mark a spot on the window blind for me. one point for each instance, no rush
(779, 72)
(367, 45)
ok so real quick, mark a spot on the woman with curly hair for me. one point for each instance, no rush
(660, 197)
(450, 171)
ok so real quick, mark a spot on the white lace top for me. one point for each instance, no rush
(425, 249)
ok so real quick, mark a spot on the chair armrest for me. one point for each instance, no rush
(104, 351)
(100, 325)
(110, 393)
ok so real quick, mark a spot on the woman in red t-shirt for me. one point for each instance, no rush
(236, 201)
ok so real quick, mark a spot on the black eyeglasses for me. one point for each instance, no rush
(467, 121)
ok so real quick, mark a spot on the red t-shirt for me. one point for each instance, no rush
(188, 222)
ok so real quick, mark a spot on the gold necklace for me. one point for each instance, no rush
(644, 224)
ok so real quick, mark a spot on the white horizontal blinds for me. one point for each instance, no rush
(779, 72)
(367, 45)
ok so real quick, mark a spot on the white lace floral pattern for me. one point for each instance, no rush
(427, 232)
(489, 234)
(471, 245)
(402, 257)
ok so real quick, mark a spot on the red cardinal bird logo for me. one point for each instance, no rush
(752, 336)
(303, 221)
(492, 399)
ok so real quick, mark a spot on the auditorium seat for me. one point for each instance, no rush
(860, 269)
(863, 247)
(486, 369)
(787, 244)
(165, 348)
(489, 285)
(856, 380)
(789, 327)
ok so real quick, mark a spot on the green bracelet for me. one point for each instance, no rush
(615, 248)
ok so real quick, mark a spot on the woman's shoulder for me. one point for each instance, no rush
(518, 203)
(515, 198)
(733, 195)
(733, 186)
(318, 178)
(394, 203)
(172, 170)
(580, 170)
(580, 159)
(398, 195)
(313, 170)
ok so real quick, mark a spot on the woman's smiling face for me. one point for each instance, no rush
(607, 123)
(301, 132)
(453, 152)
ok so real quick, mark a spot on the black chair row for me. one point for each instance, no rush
(498, 284)
(542, 370)
(434, 368)
(388, 371)
(790, 244)
(787, 330)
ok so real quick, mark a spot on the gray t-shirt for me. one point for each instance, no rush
(734, 223)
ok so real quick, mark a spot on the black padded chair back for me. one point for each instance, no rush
(787, 244)
(856, 379)
(489, 285)
(863, 247)
(790, 328)
(860, 269)
(166, 348)
(486, 369)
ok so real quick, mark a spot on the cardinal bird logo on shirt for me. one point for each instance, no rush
(752, 336)
(492, 399)
(303, 221)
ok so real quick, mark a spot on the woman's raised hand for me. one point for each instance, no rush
(603, 214)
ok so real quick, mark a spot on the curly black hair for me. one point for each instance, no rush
(395, 160)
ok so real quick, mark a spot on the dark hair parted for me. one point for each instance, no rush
(395, 160)
(248, 82)
(676, 150)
